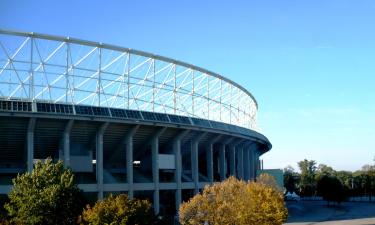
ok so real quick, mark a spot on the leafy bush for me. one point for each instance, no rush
(118, 210)
(48, 195)
(235, 202)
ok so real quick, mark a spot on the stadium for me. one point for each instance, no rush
(125, 121)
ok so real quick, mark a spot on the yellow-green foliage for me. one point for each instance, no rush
(118, 210)
(47, 195)
(269, 180)
(235, 202)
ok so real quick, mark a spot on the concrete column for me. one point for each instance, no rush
(251, 160)
(232, 160)
(246, 163)
(30, 144)
(210, 162)
(239, 151)
(154, 142)
(178, 164)
(66, 142)
(99, 159)
(222, 165)
(155, 173)
(129, 159)
(194, 161)
(210, 158)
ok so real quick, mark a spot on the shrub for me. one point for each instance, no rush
(235, 202)
(118, 210)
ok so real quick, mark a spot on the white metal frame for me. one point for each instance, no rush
(62, 69)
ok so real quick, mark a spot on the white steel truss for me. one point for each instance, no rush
(57, 69)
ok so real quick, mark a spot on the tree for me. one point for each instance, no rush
(47, 195)
(308, 171)
(235, 202)
(291, 179)
(331, 189)
(118, 210)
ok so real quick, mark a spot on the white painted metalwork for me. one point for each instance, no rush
(62, 69)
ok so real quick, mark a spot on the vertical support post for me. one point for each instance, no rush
(192, 93)
(30, 144)
(31, 89)
(239, 151)
(178, 164)
(128, 81)
(129, 159)
(66, 142)
(232, 160)
(66, 71)
(153, 85)
(155, 173)
(155, 168)
(252, 166)
(174, 90)
(194, 161)
(210, 162)
(222, 167)
(246, 163)
(99, 158)
(99, 75)
(210, 158)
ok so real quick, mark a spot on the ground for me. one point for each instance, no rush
(317, 212)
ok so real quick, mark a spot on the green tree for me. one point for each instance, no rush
(47, 195)
(331, 189)
(307, 183)
(235, 202)
(291, 179)
(119, 209)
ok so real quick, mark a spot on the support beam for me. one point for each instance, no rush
(30, 144)
(99, 158)
(178, 164)
(194, 161)
(155, 167)
(246, 163)
(129, 159)
(66, 142)
(225, 143)
(210, 158)
(222, 166)
(232, 160)
(239, 153)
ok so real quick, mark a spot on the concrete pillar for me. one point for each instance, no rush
(66, 142)
(154, 142)
(194, 161)
(129, 159)
(222, 164)
(246, 163)
(232, 160)
(30, 144)
(210, 162)
(239, 151)
(99, 158)
(210, 158)
(178, 164)
(252, 167)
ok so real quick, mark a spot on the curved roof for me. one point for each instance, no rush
(133, 51)
(70, 70)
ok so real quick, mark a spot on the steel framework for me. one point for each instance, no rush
(62, 69)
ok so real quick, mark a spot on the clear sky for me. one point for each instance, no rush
(309, 64)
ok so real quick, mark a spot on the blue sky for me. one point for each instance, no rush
(310, 64)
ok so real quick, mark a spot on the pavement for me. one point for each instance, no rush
(318, 213)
